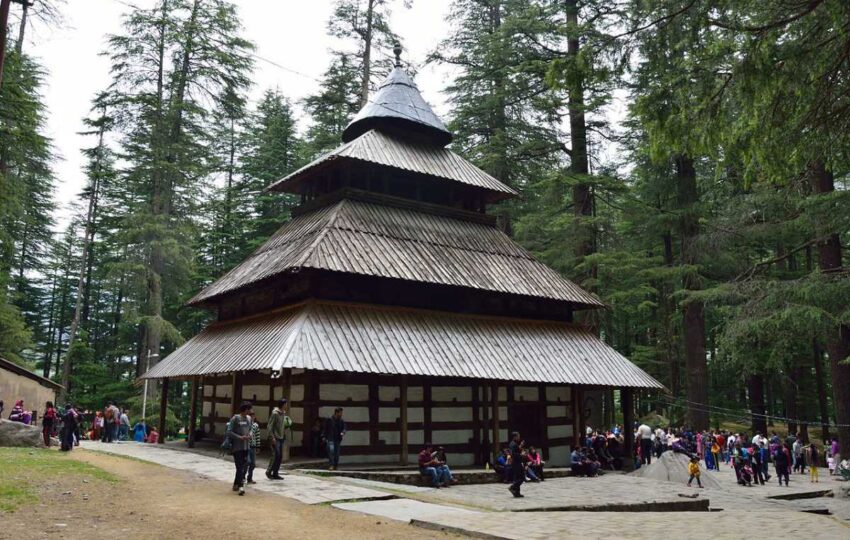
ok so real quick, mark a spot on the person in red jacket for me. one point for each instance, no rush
(48, 421)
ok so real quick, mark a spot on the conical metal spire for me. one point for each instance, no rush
(398, 106)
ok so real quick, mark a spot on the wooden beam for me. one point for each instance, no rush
(234, 403)
(494, 403)
(476, 424)
(426, 410)
(374, 417)
(193, 412)
(402, 436)
(163, 404)
(287, 389)
(627, 403)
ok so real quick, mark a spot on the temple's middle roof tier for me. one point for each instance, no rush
(395, 242)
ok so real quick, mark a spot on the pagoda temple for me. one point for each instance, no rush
(393, 294)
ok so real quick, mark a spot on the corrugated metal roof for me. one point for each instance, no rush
(398, 99)
(378, 240)
(379, 148)
(372, 339)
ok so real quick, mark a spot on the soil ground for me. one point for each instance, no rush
(138, 500)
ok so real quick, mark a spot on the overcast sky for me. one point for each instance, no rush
(289, 33)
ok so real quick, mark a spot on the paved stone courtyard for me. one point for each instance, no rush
(488, 510)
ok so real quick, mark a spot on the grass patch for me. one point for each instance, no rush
(22, 469)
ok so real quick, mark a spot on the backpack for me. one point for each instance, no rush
(227, 443)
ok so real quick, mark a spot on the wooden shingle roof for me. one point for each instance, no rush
(361, 338)
(378, 240)
(408, 155)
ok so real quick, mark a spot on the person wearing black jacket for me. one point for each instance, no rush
(517, 470)
(334, 430)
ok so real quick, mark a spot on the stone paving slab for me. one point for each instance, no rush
(307, 489)
(609, 492)
(404, 509)
(582, 525)
(381, 486)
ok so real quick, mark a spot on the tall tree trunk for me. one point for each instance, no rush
(693, 317)
(51, 330)
(19, 44)
(820, 383)
(367, 54)
(792, 399)
(755, 392)
(88, 238)
(838, 339)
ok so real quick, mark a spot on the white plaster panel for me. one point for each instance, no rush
(222, 390)
(503, 414)
(416, 436)
(526, 393)
(351, 414)
(559, 456)
(296, 393)
(260, 390)
(450, 414)
(456, 460)
(389, 437)
(375, 458)
(415, 414)
(503, 436)
(451, 393)
(297, 414)
(414, 393)
(559, 431)
(389, 393)
(391, 414)
(451, 436)
(557, 411)
(208, 390)
(206, 408)
(342, 392)
(503, 393)
(555, 393)
(297, 438)
(262, 414)
(355, 438)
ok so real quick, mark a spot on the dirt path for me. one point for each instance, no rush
(156, 502)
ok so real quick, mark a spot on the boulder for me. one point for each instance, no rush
(18, 434)
(673, 467)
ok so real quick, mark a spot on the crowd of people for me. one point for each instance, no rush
(71, 425)
(750, 457)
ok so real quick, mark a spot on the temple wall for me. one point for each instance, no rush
(454, 413)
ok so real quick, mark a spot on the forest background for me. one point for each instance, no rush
(716, 232)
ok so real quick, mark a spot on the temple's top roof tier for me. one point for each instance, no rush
(398, 105)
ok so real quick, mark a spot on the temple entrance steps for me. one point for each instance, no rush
(411, 476)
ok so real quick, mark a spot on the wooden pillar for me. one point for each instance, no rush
(575, 416)
(494, 403)
(544, 420)
(374, 412)
(287, 389)
(311, 406)
(476, 425)
(163, 404)
(426, 409)
(193, 412)
(402, 435)
(627, 403)
(234, 403)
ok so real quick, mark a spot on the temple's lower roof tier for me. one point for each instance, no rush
(392, 242)
(364, 338)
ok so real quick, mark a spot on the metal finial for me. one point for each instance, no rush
(397, 51)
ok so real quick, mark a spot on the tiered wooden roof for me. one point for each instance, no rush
(399, 244)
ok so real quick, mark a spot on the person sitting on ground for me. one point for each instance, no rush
(153, 437)
(139, 431)
(503, 466)
(535, 462)
(433, 468)
(693, 470)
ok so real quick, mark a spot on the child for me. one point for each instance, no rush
(814, 459)
(253, 447)
(693, 470)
